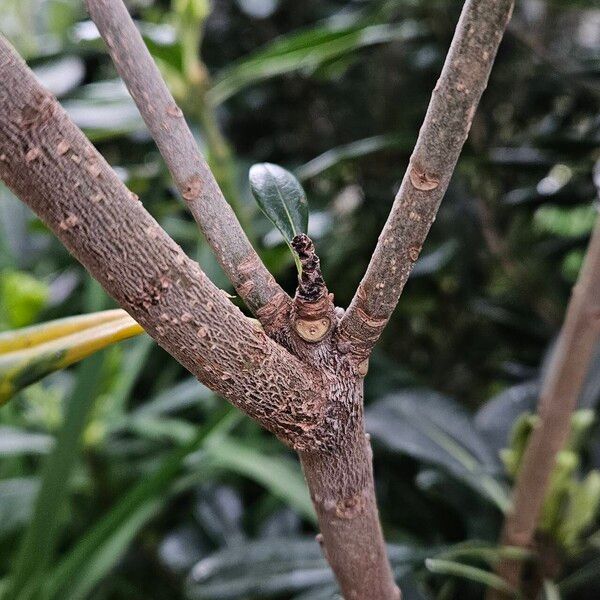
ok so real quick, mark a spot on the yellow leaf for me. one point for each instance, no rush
(29, 354)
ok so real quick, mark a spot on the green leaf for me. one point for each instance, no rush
(14, 442)
(282, 477)
(261, 569)
(22, 297)
(456, 569)
(350, 151)
(17, 497)
(38, 544)
(305, 51)
(282, 199)
(27, 355)
(483, 551)
(586, 575)
(95, 554)
(277, 567)
(581, 510)
(438, 431)
(551, 591)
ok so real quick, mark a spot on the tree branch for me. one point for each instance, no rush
(190, 172)
(49, 163)
(564, 379)
(444, 131)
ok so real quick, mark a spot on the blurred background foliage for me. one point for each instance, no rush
(125, 478)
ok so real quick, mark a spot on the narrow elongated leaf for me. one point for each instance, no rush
(448, 567)
(15, 441)
(277, 567)
(259, 569)
(103, 545)
(39, 542)
(305, 51)
(52, 330)
(281, 197)
(282, 477)
(350, 151)
(28, 355)
(437, 430)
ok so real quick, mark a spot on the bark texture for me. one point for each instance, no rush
(176, 143)
(558, 399)
(443, 133)
(48, 162)
(342, 490)
(305, 381)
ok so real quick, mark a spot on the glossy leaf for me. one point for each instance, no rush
(281, 197)
(276, 567)
(456, 569)
(14, 442)
(496, 417)
(279, 475)
(37, 546)
(356, 149)
(436, 430)
(28, 355)
(61, 76)
(305, 51)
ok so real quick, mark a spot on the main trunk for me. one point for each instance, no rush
(343, 493)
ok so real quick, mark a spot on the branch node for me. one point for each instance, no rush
(314, 314)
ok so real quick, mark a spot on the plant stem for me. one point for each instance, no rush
(564, 379)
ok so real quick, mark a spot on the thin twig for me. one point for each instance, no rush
(444, 131)
(178, 147)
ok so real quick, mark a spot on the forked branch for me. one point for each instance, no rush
(176, 143)
(443, 133)
(566, 373)
(49, 163)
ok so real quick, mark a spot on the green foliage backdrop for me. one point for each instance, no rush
(125, 478)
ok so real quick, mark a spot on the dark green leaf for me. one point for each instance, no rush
(271, 568)
(495, 418)
(437, 430)
(305, 51)
(279, 475)
(96, 553)
(281, 197)
(456, 569)
(17, 497)
(39, 542)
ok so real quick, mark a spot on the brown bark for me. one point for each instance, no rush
(342, 490)
(443, 133)
(196, 183)
(305, 382)
(558, 399)
(313, 404)
(48, 162)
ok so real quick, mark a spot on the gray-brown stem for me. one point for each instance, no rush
(196, 183)
(342, 489)
(443, 133)
(48, 162)
(565, 376)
